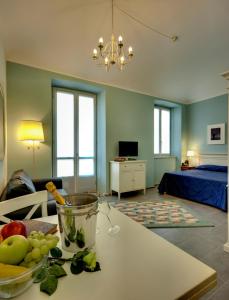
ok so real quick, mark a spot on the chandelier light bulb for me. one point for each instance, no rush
(130, 51)
(95, 54)
(100, 41)
(122, 60)
(120, 42)
(106, 60)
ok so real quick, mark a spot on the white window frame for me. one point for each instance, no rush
(161, 108)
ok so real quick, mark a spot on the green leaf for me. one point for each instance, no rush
(56, 252)
(77, 266)
(81, 254)
(80, 238)
(57, 271)
(49, 285)
(72, 234)
(40, 275)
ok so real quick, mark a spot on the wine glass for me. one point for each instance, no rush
(105, 209)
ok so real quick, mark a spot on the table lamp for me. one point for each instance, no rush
(31, 132)
(190, 154)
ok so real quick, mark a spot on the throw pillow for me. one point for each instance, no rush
(24, 178)
(20, 184)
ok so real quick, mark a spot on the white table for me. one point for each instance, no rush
(136, 265)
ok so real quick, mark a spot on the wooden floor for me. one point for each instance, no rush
(205, 243)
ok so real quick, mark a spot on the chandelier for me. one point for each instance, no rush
(112, 53)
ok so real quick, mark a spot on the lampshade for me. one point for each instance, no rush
(31, 131)
(190, 153)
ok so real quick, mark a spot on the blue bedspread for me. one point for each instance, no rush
(207, 187)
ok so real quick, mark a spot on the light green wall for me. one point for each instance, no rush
(184, 132)
(162, 165)
(201, 114)
(130, 117)
(30, 97)
(101, 142)
(176, 130)
(121, 115)
(3, 169)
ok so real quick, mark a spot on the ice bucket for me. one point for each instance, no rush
(77, 221)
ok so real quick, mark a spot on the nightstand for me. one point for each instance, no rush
(184, 168)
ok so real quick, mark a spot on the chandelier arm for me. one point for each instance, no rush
(106, 50)
(171, 37)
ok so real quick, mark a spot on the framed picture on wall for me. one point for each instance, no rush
(216, 134)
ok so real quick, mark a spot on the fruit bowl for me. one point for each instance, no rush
(13, 286)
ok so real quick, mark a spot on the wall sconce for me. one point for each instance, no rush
(31, 132)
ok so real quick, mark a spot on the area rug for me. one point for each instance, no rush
(161, 214)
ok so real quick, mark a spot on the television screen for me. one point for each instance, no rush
(128, 148)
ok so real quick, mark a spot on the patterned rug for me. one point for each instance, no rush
(161, 214)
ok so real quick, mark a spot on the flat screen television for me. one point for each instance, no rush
(127, 148)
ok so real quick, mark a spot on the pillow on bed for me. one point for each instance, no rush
(214, 168)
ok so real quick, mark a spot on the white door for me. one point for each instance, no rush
(74, 157)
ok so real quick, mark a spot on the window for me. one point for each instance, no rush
(86, 133)
(74, 127)
(65, 142)
(161, 130)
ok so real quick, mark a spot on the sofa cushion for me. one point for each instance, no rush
(20, 184)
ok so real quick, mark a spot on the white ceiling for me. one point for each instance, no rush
(59, 35)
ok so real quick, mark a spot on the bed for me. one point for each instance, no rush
(206, 184)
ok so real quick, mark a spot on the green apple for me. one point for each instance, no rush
(13, 249)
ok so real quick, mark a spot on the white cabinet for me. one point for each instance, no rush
(127, 176)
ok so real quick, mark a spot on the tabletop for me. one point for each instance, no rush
(136, 264)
